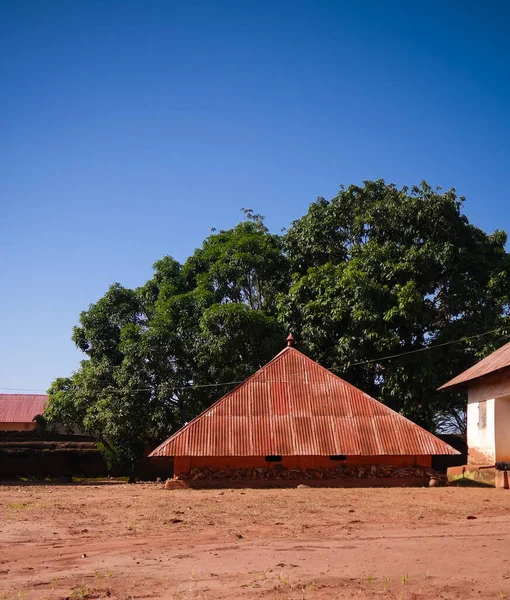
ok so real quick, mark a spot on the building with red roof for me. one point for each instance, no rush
(488, 408)
(18, 411)
(298, 414)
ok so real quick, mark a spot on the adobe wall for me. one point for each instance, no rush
(502, 429)
(183, 464)
(491, 443)
(489, 387)
(481, 441)
(17, 426)
(49, 462)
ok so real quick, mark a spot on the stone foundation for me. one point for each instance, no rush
(279, 472)
(278, 476)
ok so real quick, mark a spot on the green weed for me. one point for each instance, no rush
(17, 505)
(80, 592)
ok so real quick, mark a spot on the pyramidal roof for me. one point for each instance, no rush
(500, 359)
(293, 406)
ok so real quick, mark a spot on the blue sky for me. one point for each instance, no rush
(131, 128)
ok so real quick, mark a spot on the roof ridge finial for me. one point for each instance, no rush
(290, 340)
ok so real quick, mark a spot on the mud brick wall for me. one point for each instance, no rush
(65, 459)
(51, 462)
(185, 464)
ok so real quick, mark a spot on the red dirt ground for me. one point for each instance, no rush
(141, 541)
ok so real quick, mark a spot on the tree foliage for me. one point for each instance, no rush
(159, 354)
(375, 271)
(379, 271)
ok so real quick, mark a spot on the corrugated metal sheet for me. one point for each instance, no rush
(21, 408)
(494, 362)
(295, 407)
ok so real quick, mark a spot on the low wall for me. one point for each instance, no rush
(155, 467)
(479, 475)
(40, 455)
(442, 462)
(51, 462)
(183, 465)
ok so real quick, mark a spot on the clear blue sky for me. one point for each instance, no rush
(130, 128)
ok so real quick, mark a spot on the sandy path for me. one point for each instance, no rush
(232, 546)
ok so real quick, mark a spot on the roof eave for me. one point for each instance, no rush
(464, 384)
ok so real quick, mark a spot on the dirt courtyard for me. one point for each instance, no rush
(141, 541)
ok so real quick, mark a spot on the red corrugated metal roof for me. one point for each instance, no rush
(21, 408)
(293, 406)
(494, 362)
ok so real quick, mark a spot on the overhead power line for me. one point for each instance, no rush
(432, 347)
(356, 364)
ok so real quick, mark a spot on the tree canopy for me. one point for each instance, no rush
(380, 271)
(374, 272)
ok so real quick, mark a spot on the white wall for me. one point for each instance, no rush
(481, 442)
(502, 428)
(486, 446)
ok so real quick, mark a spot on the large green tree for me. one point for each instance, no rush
(381, 271)
(159, 354)
(374, 272)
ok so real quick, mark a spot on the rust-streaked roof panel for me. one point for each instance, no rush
(21, 408)
(295, 407)
(494, 362)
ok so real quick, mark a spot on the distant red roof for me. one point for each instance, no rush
(21, 408)
(494, 362)
(293, 406)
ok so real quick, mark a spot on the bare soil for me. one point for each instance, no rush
(141, 541)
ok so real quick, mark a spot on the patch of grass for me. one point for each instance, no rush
(259, 577)
(80, 592)
(17, 505)
(405, 579)
(99, 479)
